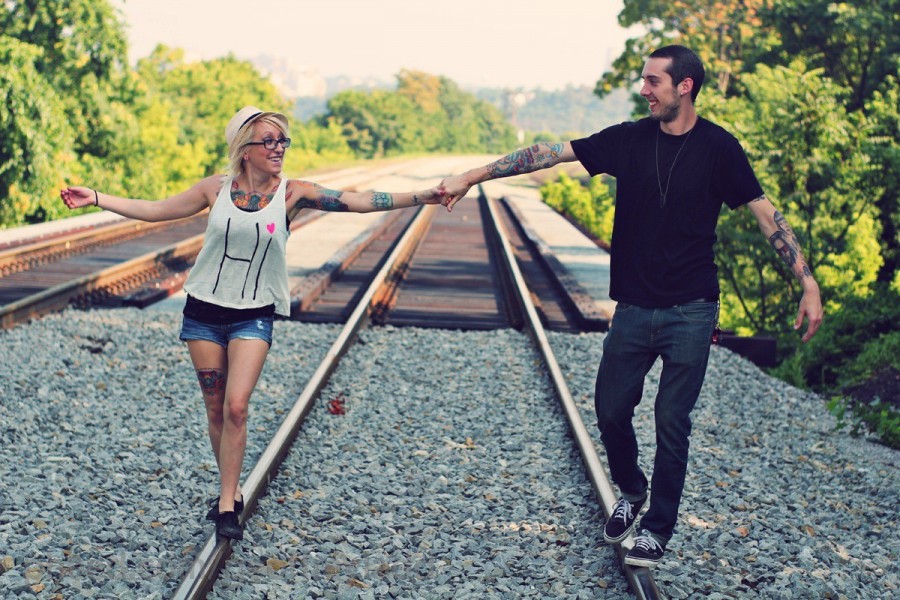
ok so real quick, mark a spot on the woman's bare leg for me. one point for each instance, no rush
(245, 363)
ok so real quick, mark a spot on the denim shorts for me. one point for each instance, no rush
(254, 329)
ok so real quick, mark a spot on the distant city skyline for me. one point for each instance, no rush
(476, 43)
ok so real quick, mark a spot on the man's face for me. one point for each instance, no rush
(659, 90)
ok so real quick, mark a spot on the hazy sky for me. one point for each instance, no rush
(493, 43)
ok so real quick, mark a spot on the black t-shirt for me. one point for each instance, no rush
(662, 253)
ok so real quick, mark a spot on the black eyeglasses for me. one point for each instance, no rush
(269, 143)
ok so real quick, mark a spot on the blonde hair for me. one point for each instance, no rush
(245, 135)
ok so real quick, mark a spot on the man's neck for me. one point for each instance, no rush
(683, 123)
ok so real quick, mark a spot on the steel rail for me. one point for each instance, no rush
(202, 573)
(58, 297)
(639, 578)
(81, 242)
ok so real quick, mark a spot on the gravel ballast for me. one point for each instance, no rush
(450, 474)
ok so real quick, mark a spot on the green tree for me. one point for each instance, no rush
(857, 43)
(314, 144)
(84, 59)
(426, 114)
(204, 95)
(35, 137)
(808, 152)
(592, 207)
(724, 33)
(882, 144)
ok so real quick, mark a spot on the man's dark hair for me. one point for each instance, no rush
(684, 64)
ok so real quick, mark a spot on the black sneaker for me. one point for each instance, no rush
(646, 552)
(214, 508)
(620, 522)
(227, 525)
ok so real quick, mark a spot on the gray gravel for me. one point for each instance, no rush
(451, 474)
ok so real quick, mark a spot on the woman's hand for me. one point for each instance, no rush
(431, 196)
(77, 197)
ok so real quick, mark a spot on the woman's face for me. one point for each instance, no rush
(262, 158)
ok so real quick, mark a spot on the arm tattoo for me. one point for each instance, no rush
(539, 156)
(416, 200)
(212, 381)
(325, 199)
(786, 245)
(382, 200)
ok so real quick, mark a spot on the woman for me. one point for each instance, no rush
(239, 281)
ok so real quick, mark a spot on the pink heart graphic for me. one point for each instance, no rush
(271, 227)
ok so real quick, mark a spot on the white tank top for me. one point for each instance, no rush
(242, 262)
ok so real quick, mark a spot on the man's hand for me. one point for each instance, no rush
(811, 309)
(454, 189)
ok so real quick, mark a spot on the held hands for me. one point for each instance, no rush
(429, 196)
(77, 197)
(453, 189)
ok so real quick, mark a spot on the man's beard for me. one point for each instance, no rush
(668, 113)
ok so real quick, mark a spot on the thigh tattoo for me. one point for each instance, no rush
(212, 381)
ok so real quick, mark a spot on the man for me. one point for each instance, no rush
(673, 172)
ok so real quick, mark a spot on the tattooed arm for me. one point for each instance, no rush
(305, 194)
(539, 156)
(780, 235)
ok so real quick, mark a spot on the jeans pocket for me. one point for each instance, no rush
(699, 312)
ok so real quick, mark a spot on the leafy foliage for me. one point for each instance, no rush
(426, 114)
(857, 43)
(725, 34)
(75, 113)
(592, 206)
(808, 153)
(810, 87)
(35, 133)
(204, 95)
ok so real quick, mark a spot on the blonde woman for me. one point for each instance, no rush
(239, 282)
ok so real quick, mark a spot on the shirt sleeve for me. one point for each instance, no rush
(597, 152)
(733, 178)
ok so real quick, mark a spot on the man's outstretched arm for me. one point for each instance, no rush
(534, 158)
(780, 235)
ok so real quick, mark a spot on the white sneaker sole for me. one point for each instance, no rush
(616, 540)
(641, 562)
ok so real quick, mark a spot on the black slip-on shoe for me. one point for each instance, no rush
(214, 508)
(227, 525)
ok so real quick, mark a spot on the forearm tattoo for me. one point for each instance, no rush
(325, 199)
(382, 200)
(788, 248)
(416, 200)
(212, 381)
(526, 160)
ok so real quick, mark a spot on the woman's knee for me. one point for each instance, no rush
(215, 412)
(236, 410)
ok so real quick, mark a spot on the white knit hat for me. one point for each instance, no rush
(245, 117)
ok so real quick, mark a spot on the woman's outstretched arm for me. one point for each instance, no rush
(185, 204)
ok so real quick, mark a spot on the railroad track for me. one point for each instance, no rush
(416, 286)
(424, 268)
(117, 263)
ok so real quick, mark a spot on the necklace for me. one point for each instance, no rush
(663, 193)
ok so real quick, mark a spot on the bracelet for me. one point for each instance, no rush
(96, 199)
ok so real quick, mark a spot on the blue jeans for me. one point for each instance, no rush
(681, 335)
(254, 329)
